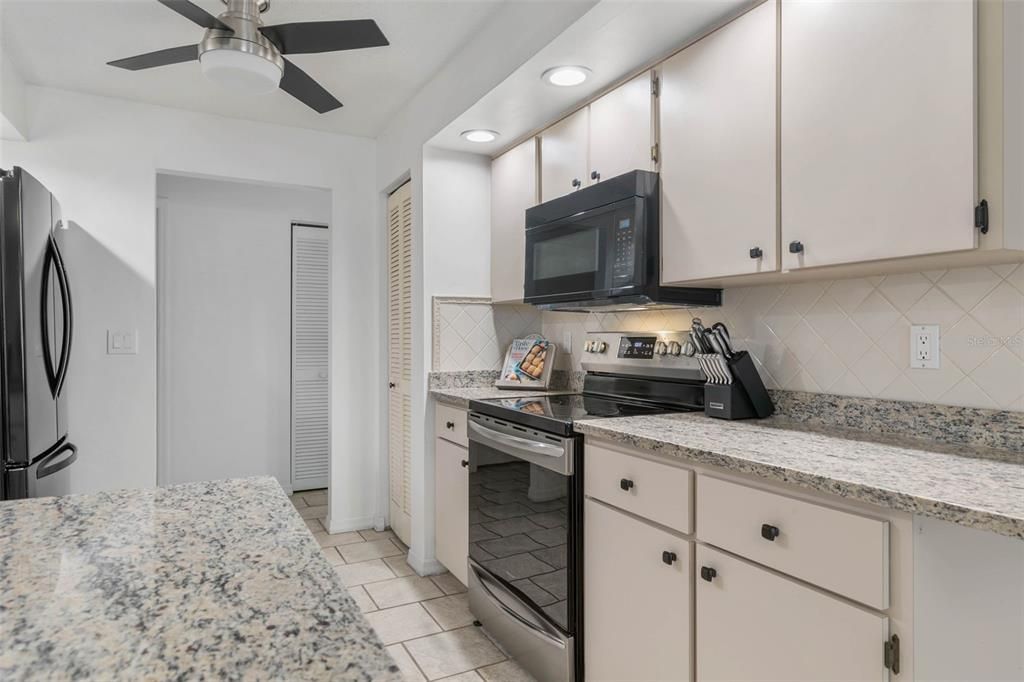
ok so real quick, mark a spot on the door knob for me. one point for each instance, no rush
(464, 463)
(796, 247)
(708, 573)
(769, 532)
(449, 425)
(625, 484)
(594, 175)
(756, 252)
(391, 384)
(576, 182)
(668, 557)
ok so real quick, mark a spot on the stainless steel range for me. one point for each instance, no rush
(526, 466)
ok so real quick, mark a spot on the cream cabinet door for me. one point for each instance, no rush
(878, 128)
(755, 625)
(513, 190)
(451, 507)
(636, 598)
(563, 156)
(718, 152)
(620, 130)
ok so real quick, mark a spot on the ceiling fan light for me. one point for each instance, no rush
(240, 71)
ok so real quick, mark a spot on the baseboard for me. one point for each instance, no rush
(335, 526)
(424, 566)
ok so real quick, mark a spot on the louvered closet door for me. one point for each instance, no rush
(400, 358)
(310, 318)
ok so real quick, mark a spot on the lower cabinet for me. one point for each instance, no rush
(753, 624)
(637, 587)
(451, 507)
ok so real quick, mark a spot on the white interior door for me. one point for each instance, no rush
(310, 450)
(400, 359)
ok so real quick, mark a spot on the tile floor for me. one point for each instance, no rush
(425, 623)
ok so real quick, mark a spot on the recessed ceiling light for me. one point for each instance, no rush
(480, 135)
(566, 76)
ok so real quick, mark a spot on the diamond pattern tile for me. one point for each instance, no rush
(475, 336)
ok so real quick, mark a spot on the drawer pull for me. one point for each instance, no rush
(769, 532)
(464, 463)
(450, 425)
(626, 484)
(669, 557)
(708, 573)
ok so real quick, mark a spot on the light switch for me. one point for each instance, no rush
(122, 341)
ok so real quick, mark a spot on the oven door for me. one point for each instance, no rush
(595, 254)
(524, 543)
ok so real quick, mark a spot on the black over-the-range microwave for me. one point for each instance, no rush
(599, 249)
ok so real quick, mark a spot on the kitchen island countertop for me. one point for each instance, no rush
(212, 580)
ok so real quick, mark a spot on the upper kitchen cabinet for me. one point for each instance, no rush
(620, 130)
(563, 156)
(718, 152)
(513, 190)
(877, 130)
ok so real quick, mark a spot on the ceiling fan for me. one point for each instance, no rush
(239, 52)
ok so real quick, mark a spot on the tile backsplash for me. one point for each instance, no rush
(471, 334)
(852, 336)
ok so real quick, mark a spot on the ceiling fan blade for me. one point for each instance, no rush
(325, 36)
(302, 87)
(172, 55)
(195, 14)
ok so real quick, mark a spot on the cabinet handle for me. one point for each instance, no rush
(464, 463)
(769, 532)
(708, 573)
(796, 247)
(625, 484)
(669, 557)
(594, 175)
(450, 425)
(576, 182)
(756, 252)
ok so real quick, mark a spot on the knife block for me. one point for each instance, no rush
(744, 398)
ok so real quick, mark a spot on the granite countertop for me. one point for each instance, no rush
(214, 580)
(969, 485)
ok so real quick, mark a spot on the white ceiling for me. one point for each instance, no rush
(66, 44)
(614, 39)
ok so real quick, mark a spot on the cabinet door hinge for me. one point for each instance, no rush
(654, 153)
(981, 216)
(891, 654)
(655, 82)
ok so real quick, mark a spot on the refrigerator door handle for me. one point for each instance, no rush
(44, 316)
(53, 462)
(66, 312)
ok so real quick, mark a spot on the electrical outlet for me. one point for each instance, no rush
(924, 346)
(122, 342)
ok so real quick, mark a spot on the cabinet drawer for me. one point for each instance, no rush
(753, 624)
(659, 492)
(839, 551)
(450, 424)
(637, 613)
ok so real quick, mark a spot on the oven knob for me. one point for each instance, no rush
(660, 348)
(588, 346)
(674, 348)
(600, 346)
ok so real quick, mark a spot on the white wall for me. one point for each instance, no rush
(511, 36)
(13, 119)
(224, 301)
(100, 156)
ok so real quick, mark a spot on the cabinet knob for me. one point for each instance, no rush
(796, 247)
(594, 175)
(449, 425)
(464, 463)
(576, 182)
(625, 484)
(708, 573)
(669, 557)
(756, 252)
(769, 532)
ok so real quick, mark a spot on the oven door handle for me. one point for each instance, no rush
(503, 440)
(524, 616)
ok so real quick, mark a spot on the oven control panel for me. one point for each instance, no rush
(640, 353)
(639, 347)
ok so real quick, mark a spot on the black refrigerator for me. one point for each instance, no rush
(37, 323)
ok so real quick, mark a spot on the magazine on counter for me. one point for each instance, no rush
(528, 364)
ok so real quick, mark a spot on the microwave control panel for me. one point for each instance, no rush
(623, 251)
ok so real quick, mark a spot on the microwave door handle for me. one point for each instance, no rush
(496, 438)
(44, 317)
(68, 317)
